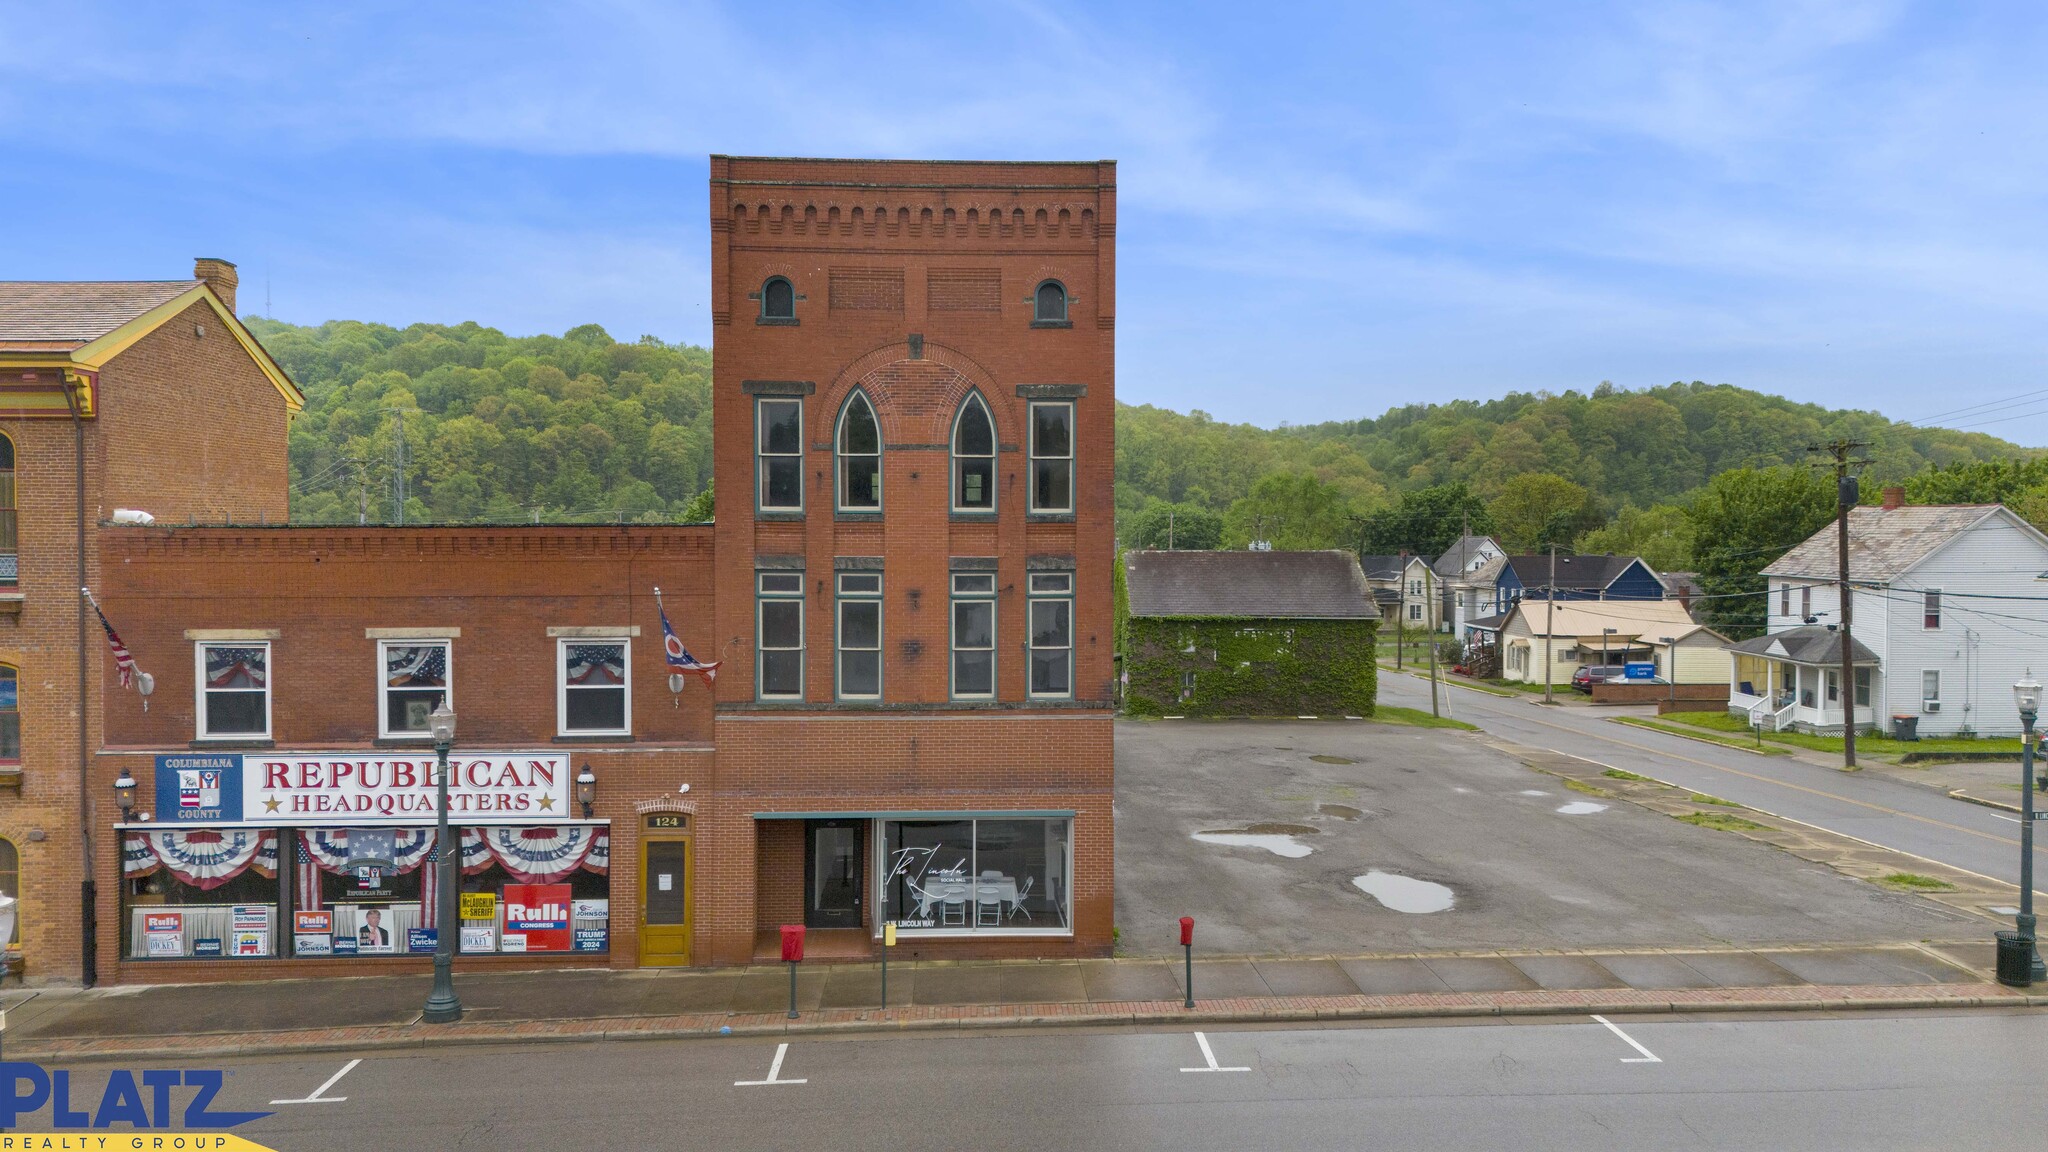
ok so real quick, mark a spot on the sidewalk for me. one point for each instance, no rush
(267, 1018)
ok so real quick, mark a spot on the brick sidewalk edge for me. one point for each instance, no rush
(1247, 1010)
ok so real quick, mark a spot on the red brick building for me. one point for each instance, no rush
(906, 592)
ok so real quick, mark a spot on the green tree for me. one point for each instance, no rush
(1662, 536)
(1539, 510)
(700, 508)
(1291, 511)
(1182, 526)
(1742, 521)
(1426, 521)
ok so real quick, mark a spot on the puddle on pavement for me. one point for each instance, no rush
(1279, 843)
(1321, 759)
(1340, 811)
(1466, 791)
(1405, 893)
(1534, 792)
(1580, 808)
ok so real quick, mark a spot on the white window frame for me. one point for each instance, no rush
(1805, 600)
(447, 644)
(974, 400)
(842, 597)
(1930, 678)
(762, 595)
(1034, 597)
(1785, 598)
(1930, 605)
(840, 456)
(199, 648)
(973, 593)
(562, 687)
(1034, 456)
(881, 878)
(762, 456)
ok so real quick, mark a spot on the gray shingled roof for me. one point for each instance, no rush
(1384, 567)
(66, 314)
(1806, 644)
(1259, 585)
(1463, 551)
(1883, 542)
(1581, 573)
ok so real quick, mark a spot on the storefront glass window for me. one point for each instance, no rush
(201, 894)
(948, 876)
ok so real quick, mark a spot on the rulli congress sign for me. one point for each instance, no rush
(355, 789)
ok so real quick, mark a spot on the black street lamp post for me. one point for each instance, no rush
(2027, 694)
(442, 1005)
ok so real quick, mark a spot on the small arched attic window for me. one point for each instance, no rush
(1049, 303)
(778, 299)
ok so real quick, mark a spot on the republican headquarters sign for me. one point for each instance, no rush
(322, 788)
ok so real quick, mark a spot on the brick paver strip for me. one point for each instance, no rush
(1262, 1009)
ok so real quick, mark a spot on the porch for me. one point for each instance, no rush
(1787, 686)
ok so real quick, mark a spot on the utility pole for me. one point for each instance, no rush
(1169, 530)
(1429, 614)
(1845, 498)
(1401, 613)
(1549, 625)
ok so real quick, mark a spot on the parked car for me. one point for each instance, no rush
(1587, 676)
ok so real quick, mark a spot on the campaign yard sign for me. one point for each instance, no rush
(252, 942)
(313, 933)
(421, 939)
(537, 916)
(163, 934)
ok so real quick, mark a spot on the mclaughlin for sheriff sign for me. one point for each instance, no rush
(359, 789)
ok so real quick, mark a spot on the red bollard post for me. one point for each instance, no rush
(792, 955)
(1187, 943)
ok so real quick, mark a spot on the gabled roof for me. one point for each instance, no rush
(1885, 543)
(1260, 585)
(46, 315)
(1462, 554)
(1807, 644)
(1574, 573)
(1389, 567)
(1630, 619)
(79, 326)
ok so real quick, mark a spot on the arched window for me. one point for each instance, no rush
(1052, 303)
(9, 563)
(778, 299)
(860, 456)
(10, 716)
(10, 886)
(974, 457)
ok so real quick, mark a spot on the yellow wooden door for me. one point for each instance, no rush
(665, 901)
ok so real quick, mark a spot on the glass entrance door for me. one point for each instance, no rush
(832, 874)
(665, 902)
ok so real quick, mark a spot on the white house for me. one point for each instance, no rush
(1468, 577)
(1410, 577)
(1951, 607)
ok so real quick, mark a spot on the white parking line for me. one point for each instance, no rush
(1209, 1055)
(316, 1097)
(774, 1072)
(1647, 1057)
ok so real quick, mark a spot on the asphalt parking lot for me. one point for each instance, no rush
(1296, 810)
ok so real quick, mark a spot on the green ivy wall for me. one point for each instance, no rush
(1251, 667)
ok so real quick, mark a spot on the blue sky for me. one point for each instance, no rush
(1324, 212)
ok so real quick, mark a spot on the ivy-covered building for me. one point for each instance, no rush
(1248, 634)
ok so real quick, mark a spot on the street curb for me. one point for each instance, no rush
(1625, 722)
(1140, 1013)
(1965, 797)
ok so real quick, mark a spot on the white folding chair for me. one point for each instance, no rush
(988, 906)
(1023, 891)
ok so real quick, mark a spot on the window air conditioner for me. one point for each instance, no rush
(1930, 705)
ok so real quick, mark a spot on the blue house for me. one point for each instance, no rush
(1607, 577)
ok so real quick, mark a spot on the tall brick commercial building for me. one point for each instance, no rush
(905, 593)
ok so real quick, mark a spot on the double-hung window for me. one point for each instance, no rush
(1930, 609)
(1806, 599)
(1052, 456)
(779, 453)
(860, 635)
(594, 687)
(1930, 690)
(974, 635)
(417, 678)
(779, 631)
(1052, 633)
(974, 458)
(10, 716)
(234, 690)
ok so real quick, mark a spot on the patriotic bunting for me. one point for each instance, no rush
(205, 858)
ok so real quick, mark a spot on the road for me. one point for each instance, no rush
(1902, 817)
(1964, 1080)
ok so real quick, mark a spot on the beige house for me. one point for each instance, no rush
(1581, 632)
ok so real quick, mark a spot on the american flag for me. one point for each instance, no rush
(430, 888)
(309, 878)
(123, 662)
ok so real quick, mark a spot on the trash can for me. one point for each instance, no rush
(2015, 961)
(1905, 727)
